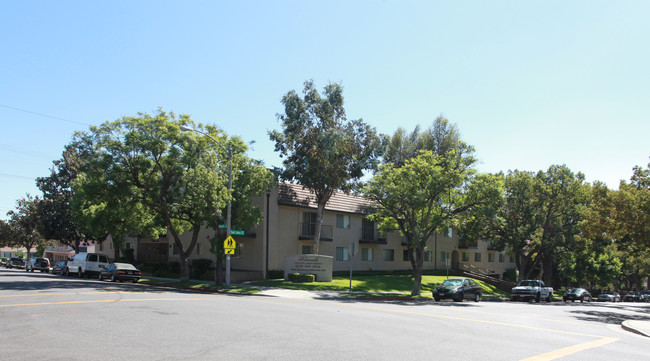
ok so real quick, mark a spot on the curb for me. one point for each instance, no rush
(627, 326)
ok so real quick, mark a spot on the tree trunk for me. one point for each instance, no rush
(547, 267)
(317, 231)
(185, 269)
(417, 262)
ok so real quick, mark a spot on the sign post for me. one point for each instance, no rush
(229, 246)
(350, 258)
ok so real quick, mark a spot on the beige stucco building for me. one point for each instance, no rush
(288, 228)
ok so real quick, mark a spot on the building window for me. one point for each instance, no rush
(512, 260)
(450, 233)
(198, 248)
(342, 254)
(405, 255)
(428, 256)
(306, 250)
(465, 256)
(308, 223)
(444, 256)
(343, 221)
(477, 257)
(502, 258)
(490, 257)
(367, 230)
(101, 246)
(128, 245)
(388, 255)
(366, 254)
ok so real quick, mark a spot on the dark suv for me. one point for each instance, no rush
(15, 262)
(38, 263)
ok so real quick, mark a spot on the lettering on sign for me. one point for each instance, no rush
(318, 265)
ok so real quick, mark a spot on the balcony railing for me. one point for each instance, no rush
(306, 231)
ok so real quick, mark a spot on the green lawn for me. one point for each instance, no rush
(375, 284)
(365, 285)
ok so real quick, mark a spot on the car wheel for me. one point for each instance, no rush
(477, 297)
(80, 273)
(112, 278)
(65, 272)
(549, 299)
(582, 299)
(459, 298)
(135, 281)
(100, 277)
(538, 298)
(436, 298)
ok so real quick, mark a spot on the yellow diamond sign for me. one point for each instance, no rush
(230, 243)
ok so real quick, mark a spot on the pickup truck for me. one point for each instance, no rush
(531, 290)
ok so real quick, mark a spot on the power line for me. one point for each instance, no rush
(16, 176)
(44, 115)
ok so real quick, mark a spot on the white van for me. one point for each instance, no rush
(86, 264)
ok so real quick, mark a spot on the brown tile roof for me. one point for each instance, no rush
(291, 194)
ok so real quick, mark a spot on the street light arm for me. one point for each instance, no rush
(185, 128)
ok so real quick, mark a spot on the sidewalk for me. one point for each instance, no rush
(640, 327)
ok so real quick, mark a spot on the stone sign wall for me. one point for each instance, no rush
(314, 264)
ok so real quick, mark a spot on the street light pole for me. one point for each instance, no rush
(229, 208)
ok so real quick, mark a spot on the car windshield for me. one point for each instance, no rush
(577, 290)
(453, 282)
(528, 283)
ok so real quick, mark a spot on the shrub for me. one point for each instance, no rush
(301, 278)
(127, 255)
(200, 267)
(275, 274)
(510, 275)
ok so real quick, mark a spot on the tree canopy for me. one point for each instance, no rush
(322, 149)
(158, 176)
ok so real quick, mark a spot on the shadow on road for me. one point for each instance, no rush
(46, 282)
(614, 318)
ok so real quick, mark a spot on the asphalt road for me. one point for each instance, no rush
(46, 317)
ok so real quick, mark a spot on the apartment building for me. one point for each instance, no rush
(288, 228)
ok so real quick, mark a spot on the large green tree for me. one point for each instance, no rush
(323, 150)
(56, 215)
(631, 228)
(425, 195)
(21, 229)
(537, 220)
(179, 179)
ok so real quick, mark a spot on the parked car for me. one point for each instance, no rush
(15, 262)
(644, 296)
(458, 289)
(631, 297)
(38, 263)
(609, 297)
(120, 272)
(577, 294)
(59, 268)
(531, 290)
(86, 264)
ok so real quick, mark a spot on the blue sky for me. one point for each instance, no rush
(528, 83)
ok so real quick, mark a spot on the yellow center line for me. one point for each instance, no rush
(571, 349)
